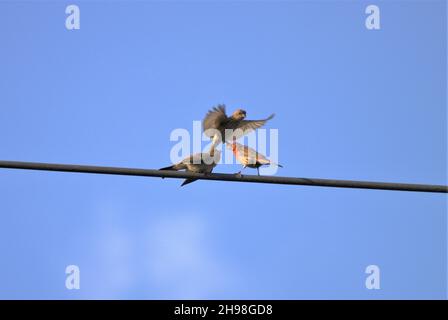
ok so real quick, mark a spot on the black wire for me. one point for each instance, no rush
(224, 177)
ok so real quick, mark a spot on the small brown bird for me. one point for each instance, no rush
(216, 121)
(199, 163)
(248, 157)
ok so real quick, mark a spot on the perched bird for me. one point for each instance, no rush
(216, 121)
(199, 163)
(248, 157)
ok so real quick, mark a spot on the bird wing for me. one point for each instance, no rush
(215, 118)
(246, 126)
(196, 158)
(247, 153)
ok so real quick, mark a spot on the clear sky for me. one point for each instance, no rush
(350, 103)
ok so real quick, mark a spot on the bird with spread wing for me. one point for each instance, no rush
(217, 124)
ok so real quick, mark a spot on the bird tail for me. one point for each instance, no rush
(187, 181)
(277, 164)
(268, 162)
(168, 168)
(176, 167)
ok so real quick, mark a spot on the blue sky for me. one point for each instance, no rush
(350, 104)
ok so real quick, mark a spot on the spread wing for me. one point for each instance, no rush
(215, 118)
(246, 126)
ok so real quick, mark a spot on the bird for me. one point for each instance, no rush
(216, 122)
(248, 157)
(199, 163)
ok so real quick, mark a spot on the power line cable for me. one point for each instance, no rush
(224, 177)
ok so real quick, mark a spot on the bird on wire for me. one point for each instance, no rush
(199, 163)
(250, 158)
(216, 122)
